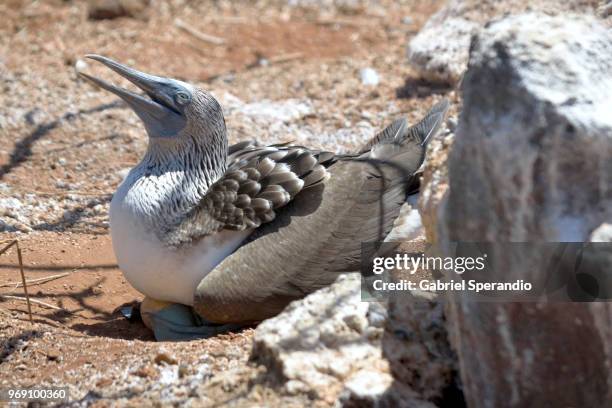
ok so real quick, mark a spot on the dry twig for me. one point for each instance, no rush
(344, 22)
(38, 302)
(36, 281)
(285, 57)
(23, 279)
(10, 244)
(211, 39)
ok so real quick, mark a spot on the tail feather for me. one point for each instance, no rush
(392, 132)
(390, 141)
(396, 154)
(406, 145)
(430, 124)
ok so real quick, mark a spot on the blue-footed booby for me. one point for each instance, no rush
(214, 234)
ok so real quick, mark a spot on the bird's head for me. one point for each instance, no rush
(173, 111)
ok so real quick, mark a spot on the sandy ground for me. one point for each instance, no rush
(65, 146)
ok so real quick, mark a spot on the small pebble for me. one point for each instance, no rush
(80, 65)
(407, 20)
(104, 382)
(183, 370)
(369, 77)
(53, 355)
(123, 173)
(165, 358)
(145, 372)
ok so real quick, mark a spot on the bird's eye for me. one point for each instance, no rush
(182, 98)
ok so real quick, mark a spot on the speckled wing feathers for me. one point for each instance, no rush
(259, 181)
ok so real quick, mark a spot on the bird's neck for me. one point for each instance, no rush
(201, 163)
(171, 180)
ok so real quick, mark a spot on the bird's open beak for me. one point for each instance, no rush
(160, 115)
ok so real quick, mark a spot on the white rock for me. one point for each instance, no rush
(605, 8)
(10, 203)
(319, 341)
(603, 233)
(408, 225)
(284, 111)
(370, 388)
(440, 50)
(123, 173)
(168, 374)
(369, 76)
(80, 65)
(542, 131)
(407, 20)
(61, 184)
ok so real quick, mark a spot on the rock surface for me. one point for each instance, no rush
(603, 233)
(436, 58)
(408, 226)
(542, 133)
(417, 348)
(440, 51)
(531, 163)
(328, 345)
(605, 8)
(369, 76)
(434, 183)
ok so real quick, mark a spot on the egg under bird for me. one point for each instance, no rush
(218, 236)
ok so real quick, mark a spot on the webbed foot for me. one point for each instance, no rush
(177, 322)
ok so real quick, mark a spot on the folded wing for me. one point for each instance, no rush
(318, 235)
(258, 183)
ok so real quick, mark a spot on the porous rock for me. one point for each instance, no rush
(440, 51)
(436, 58)
(531, 163)
(603, 233)
(532, 154)
(417, 347)
(329, 339)
(434, 183)
(371, 389)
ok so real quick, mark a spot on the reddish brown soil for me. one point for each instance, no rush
(89, 296)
